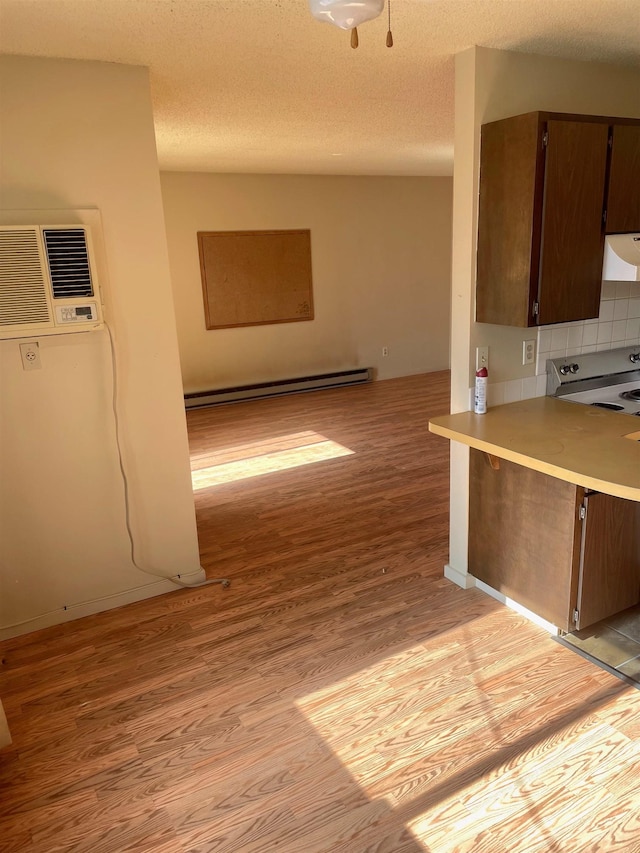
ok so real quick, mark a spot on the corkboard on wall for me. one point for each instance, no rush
(253, 278)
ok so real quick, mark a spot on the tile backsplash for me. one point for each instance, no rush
(617, 325)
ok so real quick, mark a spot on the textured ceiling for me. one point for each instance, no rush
(261, 86)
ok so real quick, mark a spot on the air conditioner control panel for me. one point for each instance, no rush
(87, 312)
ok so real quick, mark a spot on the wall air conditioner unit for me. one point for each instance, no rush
(48, 282)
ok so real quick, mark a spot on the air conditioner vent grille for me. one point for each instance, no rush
(23, 296)
(68, 260)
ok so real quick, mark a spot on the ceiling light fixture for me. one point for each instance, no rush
(349, 14)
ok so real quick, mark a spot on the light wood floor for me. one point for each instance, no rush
(340, 696)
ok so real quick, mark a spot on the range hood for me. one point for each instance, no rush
(621, 258)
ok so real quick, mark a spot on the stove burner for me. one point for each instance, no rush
(613, 406)
(634, 395)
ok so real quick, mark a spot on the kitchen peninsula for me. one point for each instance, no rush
(554, 506)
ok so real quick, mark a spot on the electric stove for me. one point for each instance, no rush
(609, 379)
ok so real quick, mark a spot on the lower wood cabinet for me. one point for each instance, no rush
(570, 555)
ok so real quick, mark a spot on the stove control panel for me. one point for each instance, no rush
(575, 373)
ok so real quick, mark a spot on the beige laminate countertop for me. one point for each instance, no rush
(580, 444)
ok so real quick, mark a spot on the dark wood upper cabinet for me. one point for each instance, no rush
(546, 180)
(572, 245)
(623, 200)
(511, 191)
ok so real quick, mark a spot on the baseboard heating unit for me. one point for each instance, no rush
(278, 388)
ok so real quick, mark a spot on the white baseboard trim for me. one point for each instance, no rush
(88, 608)
(518, 608)
(463, 579)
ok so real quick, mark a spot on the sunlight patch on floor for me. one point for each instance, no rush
(367, 725)
(449, 762)
(267, 457)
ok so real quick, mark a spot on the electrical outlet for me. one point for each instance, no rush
(528, 352)
(482, 357)
(385, 352)
(30, 354)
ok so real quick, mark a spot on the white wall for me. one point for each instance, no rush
(79, 135)
(381, 274)
(492, 84)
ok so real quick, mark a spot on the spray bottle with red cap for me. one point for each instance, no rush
(480, 395)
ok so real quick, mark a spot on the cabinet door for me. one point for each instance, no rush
(623, 201)
(609, 579)
(523, 536)
(511, 176)
(572, 246)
